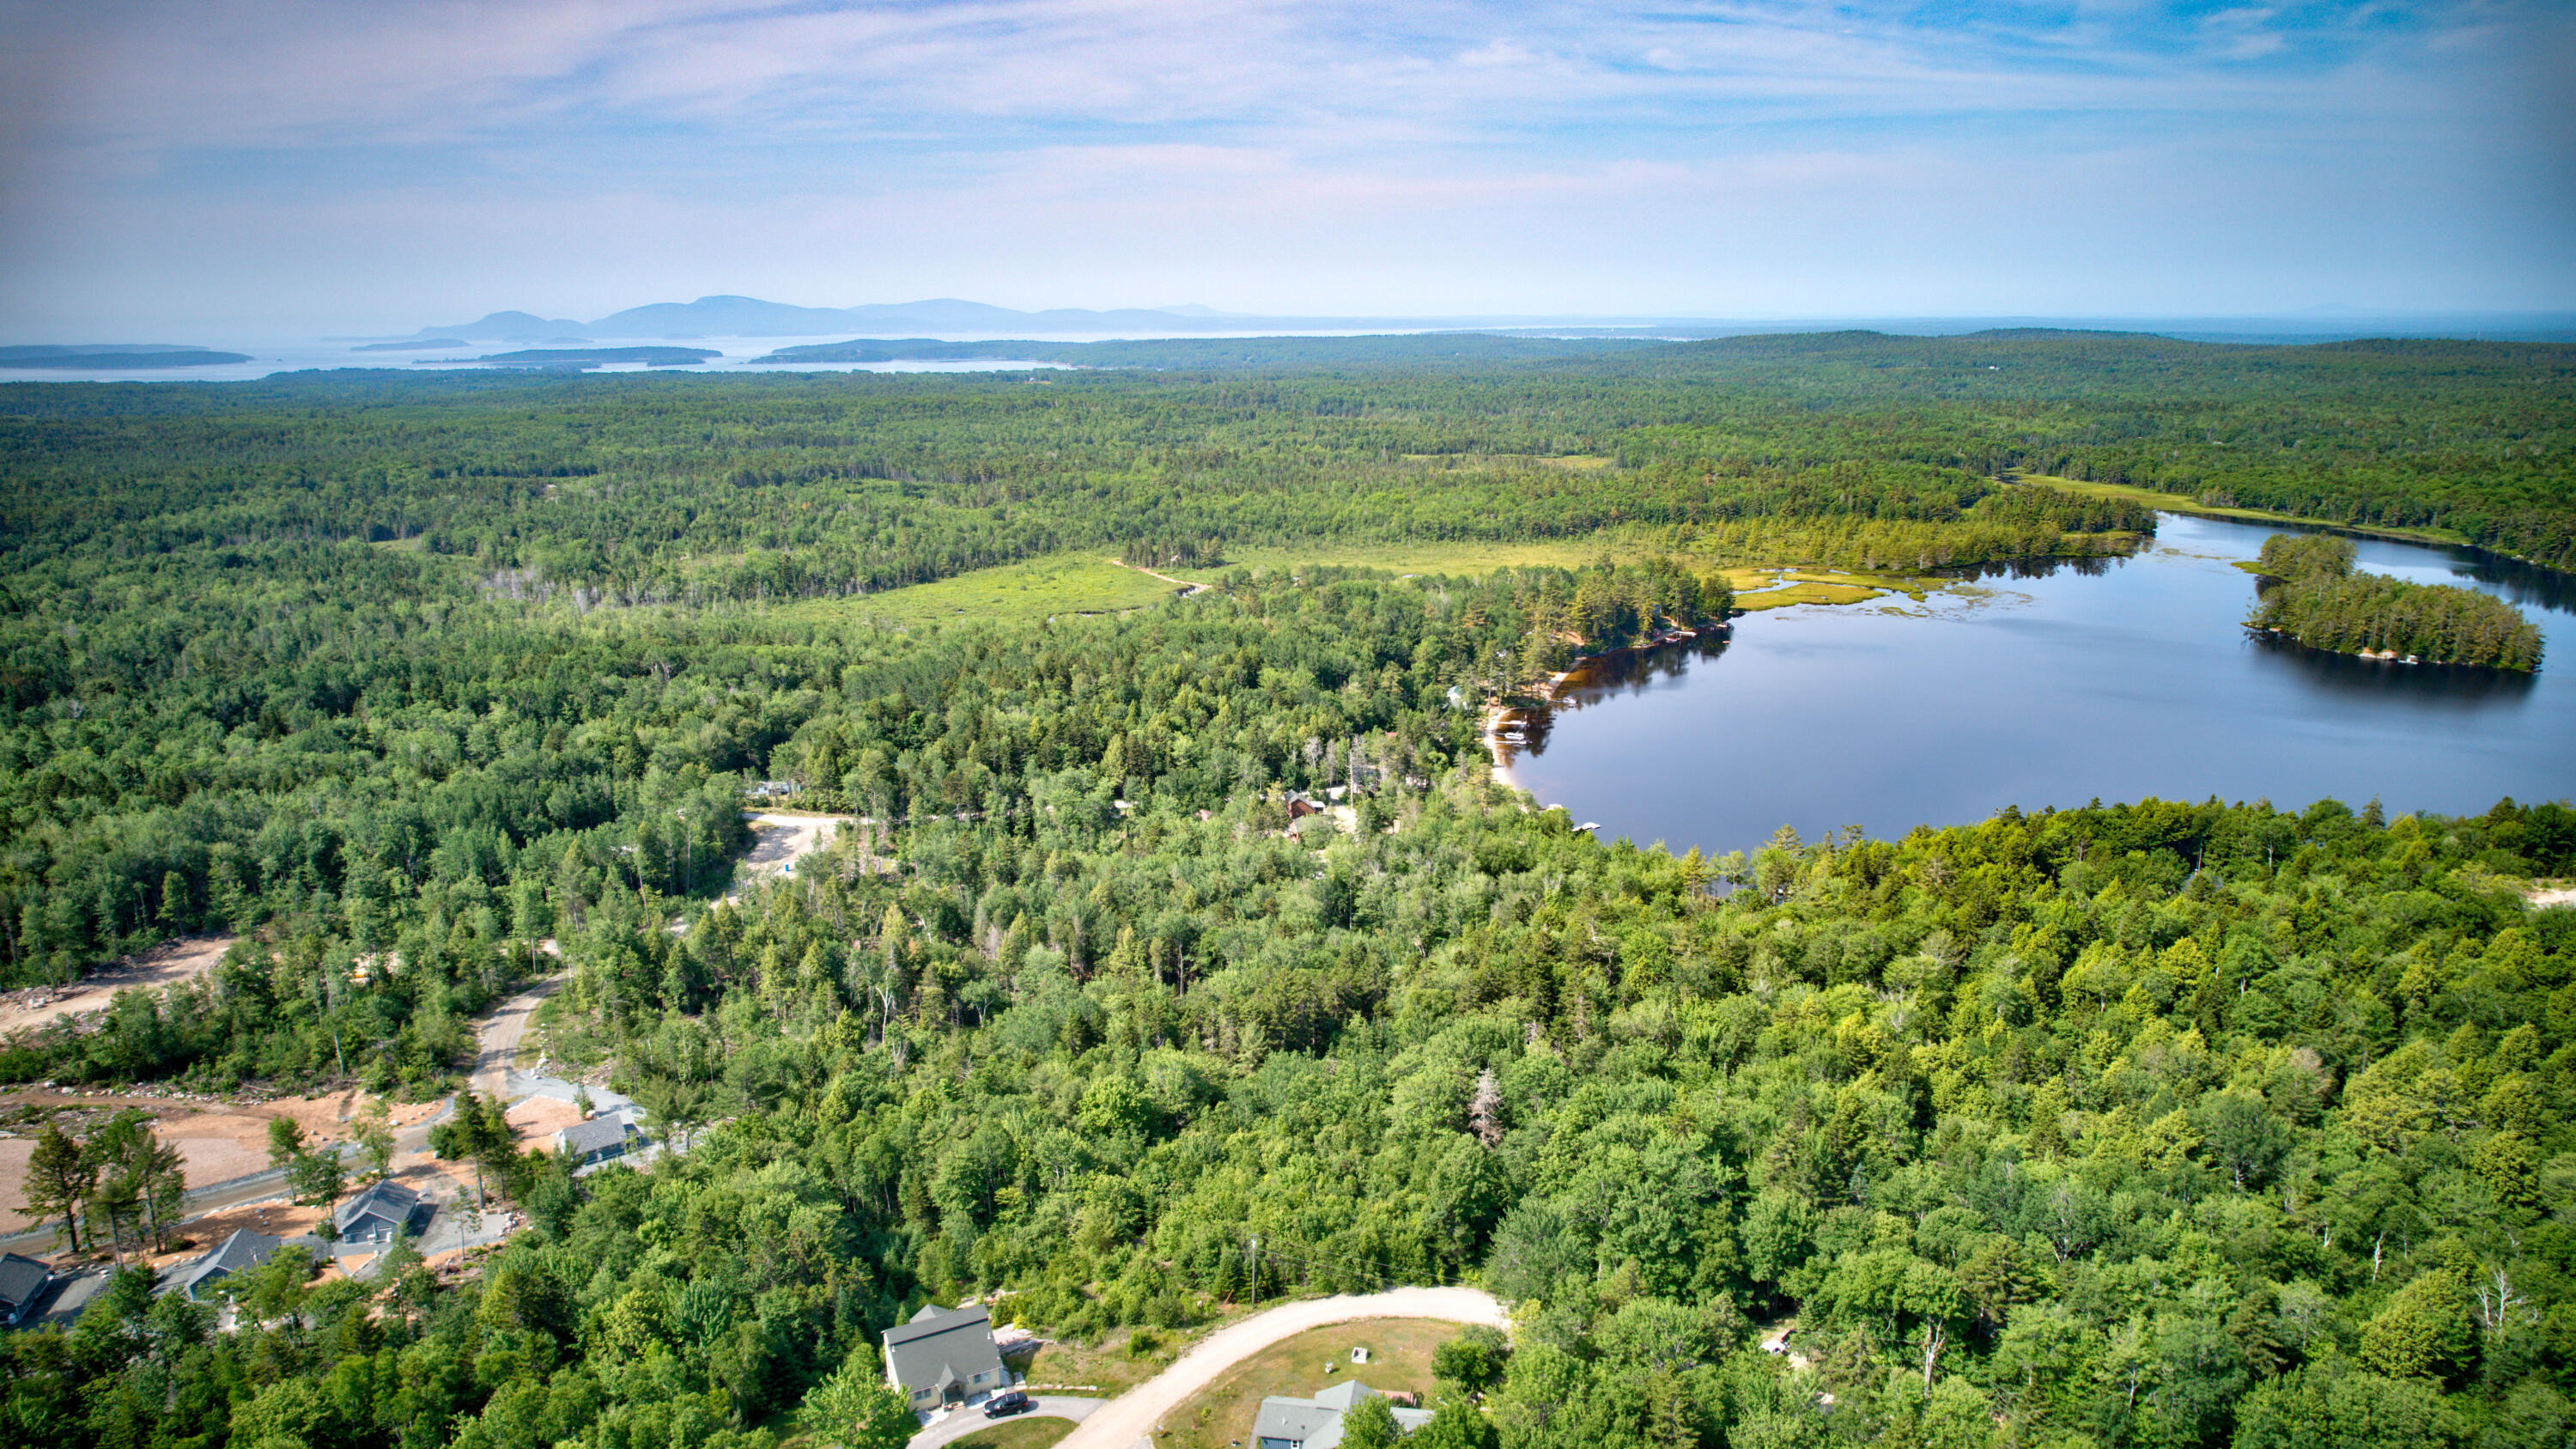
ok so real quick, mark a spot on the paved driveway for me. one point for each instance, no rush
(1130, 1418)
(967, 1420)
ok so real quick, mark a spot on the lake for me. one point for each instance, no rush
(2064, 683)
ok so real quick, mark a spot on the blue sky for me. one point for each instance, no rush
(180, 170)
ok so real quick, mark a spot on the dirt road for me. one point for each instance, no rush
(161, 966)
(1129, 1420)
(1186, 587)
(497, 1040)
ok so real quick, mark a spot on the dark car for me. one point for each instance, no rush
(1008, 1402)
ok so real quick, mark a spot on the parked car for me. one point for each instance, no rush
(1007, 1403)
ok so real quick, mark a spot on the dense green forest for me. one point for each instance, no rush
(2142, 1124)
(2311, 594)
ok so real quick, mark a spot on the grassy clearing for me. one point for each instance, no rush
(1069, 583)
(1400, 1352)
(1467, 557)
(1090, 583)
(1111, 1367)
(2181, 503)
(1027, 1432)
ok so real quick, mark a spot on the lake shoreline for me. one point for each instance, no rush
(2284, 638)
(1499, 713)
(2106, 678)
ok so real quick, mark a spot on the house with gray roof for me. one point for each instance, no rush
(944, 1356)
(596, 1140)
(383, 1212)
(1316, 1423)
(23, 1281)
(235, 1255)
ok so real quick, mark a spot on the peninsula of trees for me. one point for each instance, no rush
(2311, 593)
(98, 357)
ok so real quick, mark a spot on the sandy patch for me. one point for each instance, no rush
(2563, 896)
(279, 1219)
(14, 1152)
(778, 841)
(215, 1146)
(538, 1119)
(161, 966)
(444, 1182)
(220, 1146)
(220, 1159)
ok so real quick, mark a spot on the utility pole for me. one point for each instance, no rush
(1256, 1273)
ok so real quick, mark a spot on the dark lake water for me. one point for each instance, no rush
(2115, 681)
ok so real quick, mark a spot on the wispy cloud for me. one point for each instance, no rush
(1468, 143)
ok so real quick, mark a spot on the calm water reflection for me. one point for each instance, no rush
(2113, 681)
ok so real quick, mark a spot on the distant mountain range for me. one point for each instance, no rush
(951, 317)
(752, 317)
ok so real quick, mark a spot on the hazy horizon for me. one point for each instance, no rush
(300, 169)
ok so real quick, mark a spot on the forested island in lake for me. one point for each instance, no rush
(2311, 594)
(1165, 901)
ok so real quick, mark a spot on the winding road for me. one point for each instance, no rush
(1130, 1419)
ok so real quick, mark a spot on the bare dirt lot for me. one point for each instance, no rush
(14, 1152)
(779, 840)
(215, 1144)
(277, 1219)
(163, 965)
(538, 1119)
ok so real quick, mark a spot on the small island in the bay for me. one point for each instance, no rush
(2310, 593)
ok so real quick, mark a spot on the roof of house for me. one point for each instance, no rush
(596, 1135)
(22, 1279)
(240, 1253)
(1317, 1422)
(942, 1346)
(388, 1200)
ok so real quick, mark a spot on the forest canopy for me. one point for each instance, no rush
(2146, 1124)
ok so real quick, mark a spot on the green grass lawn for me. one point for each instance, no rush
(1028, 1431)
(1400, 1352)
(2180, 503)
